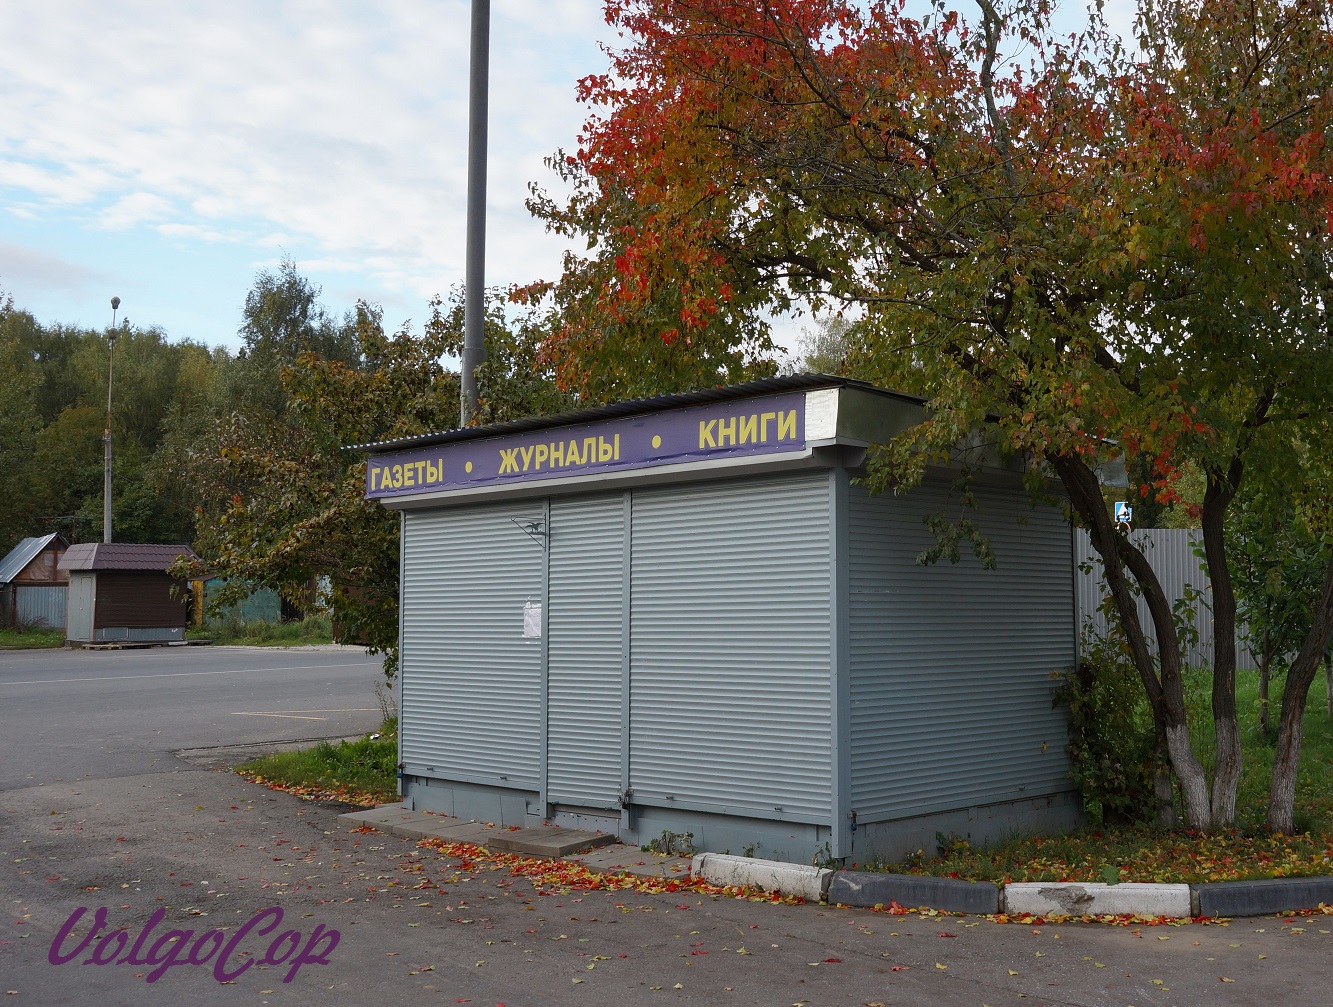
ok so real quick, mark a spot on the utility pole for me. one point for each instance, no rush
(106, 434)
(474, 307)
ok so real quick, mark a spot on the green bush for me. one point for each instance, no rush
(1111, 738)
(233, 630)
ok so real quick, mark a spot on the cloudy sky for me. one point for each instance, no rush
(165, 152)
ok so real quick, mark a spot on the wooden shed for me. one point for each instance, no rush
(120, 591)
(32, 587)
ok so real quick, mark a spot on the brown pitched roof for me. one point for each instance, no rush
(123, 556)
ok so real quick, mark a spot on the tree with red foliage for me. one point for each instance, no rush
(1038, 229)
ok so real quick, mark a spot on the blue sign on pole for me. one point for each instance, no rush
(1124, 513)
(769, 425)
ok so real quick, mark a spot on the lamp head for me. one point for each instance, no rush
(115, 303)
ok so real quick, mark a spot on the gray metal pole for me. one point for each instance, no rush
(106, 434)
(474, 311)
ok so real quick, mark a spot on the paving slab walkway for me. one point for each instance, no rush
(596, 851)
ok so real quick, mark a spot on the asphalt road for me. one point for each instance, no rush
(132, 828)
(82, 714)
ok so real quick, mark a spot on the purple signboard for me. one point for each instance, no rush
(770, 425)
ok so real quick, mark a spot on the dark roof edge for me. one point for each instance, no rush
(635, 407)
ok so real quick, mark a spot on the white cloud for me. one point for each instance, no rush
(23, 267)
(186, 145)
(339, 125)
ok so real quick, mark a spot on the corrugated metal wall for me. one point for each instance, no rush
(470, 680)
(585, 651)
(40, 606)
(139, 599)
(1172, 553)
(951, 664)
(731, 648)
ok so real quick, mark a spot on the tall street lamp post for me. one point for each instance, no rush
(474, 307)
(106, 434)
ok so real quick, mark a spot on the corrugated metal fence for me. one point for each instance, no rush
(1176, 558)
(37, 605)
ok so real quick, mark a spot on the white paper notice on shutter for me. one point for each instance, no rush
(532, 620)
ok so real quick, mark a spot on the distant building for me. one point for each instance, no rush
(32, 586)
(122, 591)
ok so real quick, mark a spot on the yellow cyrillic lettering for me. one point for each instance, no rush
(726, 431)
(787, 425)
(748, 428)
(372, 474)
(572, 456)
(508, 460)
(396, 474)
(603, 450)
(420, 467)
(527, 457)
(407, 474)
(763, 426)
(543, 453)
(706, 434)
(589, 450)
(616, 454)
(558, 454)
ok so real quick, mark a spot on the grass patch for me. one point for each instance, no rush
(31, 638)
(361, 772)
(235, 632)
(1130, 854)
(1143, 853)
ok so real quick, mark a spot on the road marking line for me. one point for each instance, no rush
(187, 674)
(288, 716)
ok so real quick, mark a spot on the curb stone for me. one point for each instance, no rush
(1097, 899)
(1257, 898)
(866, 889)
(810, 883)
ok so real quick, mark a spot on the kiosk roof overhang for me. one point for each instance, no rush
(637, 407)
(774, 424)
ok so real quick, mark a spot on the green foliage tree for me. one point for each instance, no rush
(20, 423)
(283, 496)
(283, 319)
(53, 382)
(1278, 564)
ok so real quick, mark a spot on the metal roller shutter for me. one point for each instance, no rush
(731, 648)
(584, 652)
(471, 682)
(950, 663)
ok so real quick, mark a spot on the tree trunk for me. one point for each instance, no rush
(1287, 758)
(1175, 715)
(1161, 785)
(1220, 491)
(1166, 695)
